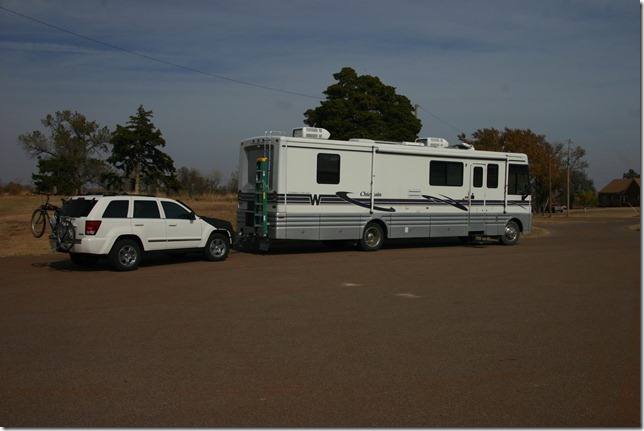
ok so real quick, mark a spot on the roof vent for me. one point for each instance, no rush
(311, 132)
(463, 146)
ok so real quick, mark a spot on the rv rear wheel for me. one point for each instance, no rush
(510, 234)
(372, 238)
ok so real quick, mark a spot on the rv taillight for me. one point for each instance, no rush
(91, 227)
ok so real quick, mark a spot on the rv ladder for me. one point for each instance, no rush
(261, 201)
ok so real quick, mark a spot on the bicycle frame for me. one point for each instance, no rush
(63, 232)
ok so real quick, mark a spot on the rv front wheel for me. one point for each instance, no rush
(372, 237)
(510, 234)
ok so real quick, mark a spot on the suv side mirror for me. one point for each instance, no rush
(192, 215)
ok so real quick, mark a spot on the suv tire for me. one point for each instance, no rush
(125, 255)
(217, 247)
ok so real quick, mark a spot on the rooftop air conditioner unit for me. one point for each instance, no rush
(311, 132)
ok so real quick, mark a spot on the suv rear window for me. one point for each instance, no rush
(77, 207)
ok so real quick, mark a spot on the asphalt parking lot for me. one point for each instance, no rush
(546, 333)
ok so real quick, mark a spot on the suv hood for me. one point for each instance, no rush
(220, 224)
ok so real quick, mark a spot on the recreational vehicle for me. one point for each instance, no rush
(309, 187)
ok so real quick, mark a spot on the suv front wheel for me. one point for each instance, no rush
(217, 247)
(125, 255)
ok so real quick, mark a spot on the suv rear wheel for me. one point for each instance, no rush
(125, 255)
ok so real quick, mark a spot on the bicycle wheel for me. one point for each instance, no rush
(65, 234)
(38, 222)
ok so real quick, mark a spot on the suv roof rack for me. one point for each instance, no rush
(114, 194)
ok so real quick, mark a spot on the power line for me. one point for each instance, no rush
(149, 57)
(441, 120)
(186, 68)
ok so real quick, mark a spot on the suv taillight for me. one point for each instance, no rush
(91, 227)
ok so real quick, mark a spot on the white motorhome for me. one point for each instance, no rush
(308, 187)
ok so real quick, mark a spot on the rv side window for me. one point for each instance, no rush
(445, 173)
(492, 176)
(518, 180)
(328, 171)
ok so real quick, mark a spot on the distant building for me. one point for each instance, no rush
(620, 193)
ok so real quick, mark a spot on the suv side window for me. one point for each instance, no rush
(174, 211)
(146, 209)
(116, 209)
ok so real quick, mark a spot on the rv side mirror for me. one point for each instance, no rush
(526, 192)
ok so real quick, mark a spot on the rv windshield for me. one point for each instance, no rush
(252, 154)
(519, 180)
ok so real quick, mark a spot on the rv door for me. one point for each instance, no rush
(373, 175)
(477, 198)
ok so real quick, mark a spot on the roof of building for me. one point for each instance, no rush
(619, 185)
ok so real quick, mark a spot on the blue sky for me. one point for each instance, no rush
(566, 69)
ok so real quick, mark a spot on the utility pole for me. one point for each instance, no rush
(549, 201)
(568, 182)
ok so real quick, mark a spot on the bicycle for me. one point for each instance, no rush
(62, 228)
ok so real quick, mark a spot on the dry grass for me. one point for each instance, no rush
(16, 238)
(590, 214)
(537, 232)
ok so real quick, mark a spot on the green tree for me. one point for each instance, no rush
(136, 153)
(364, 107)
(586, 199)
(631, 174)
(573, 161)
(548, 162)
(582, 190)
(69, 153)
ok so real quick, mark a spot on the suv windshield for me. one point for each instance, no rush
(77, 207)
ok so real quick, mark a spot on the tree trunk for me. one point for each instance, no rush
(137, 178)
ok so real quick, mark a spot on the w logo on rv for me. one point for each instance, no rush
(311, 199)
(317, 199)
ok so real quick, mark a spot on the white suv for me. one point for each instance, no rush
(122, 227)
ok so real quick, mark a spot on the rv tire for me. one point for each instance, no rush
(372, 237)
(511, 234)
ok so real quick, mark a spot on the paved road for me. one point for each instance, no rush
(545, 333)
